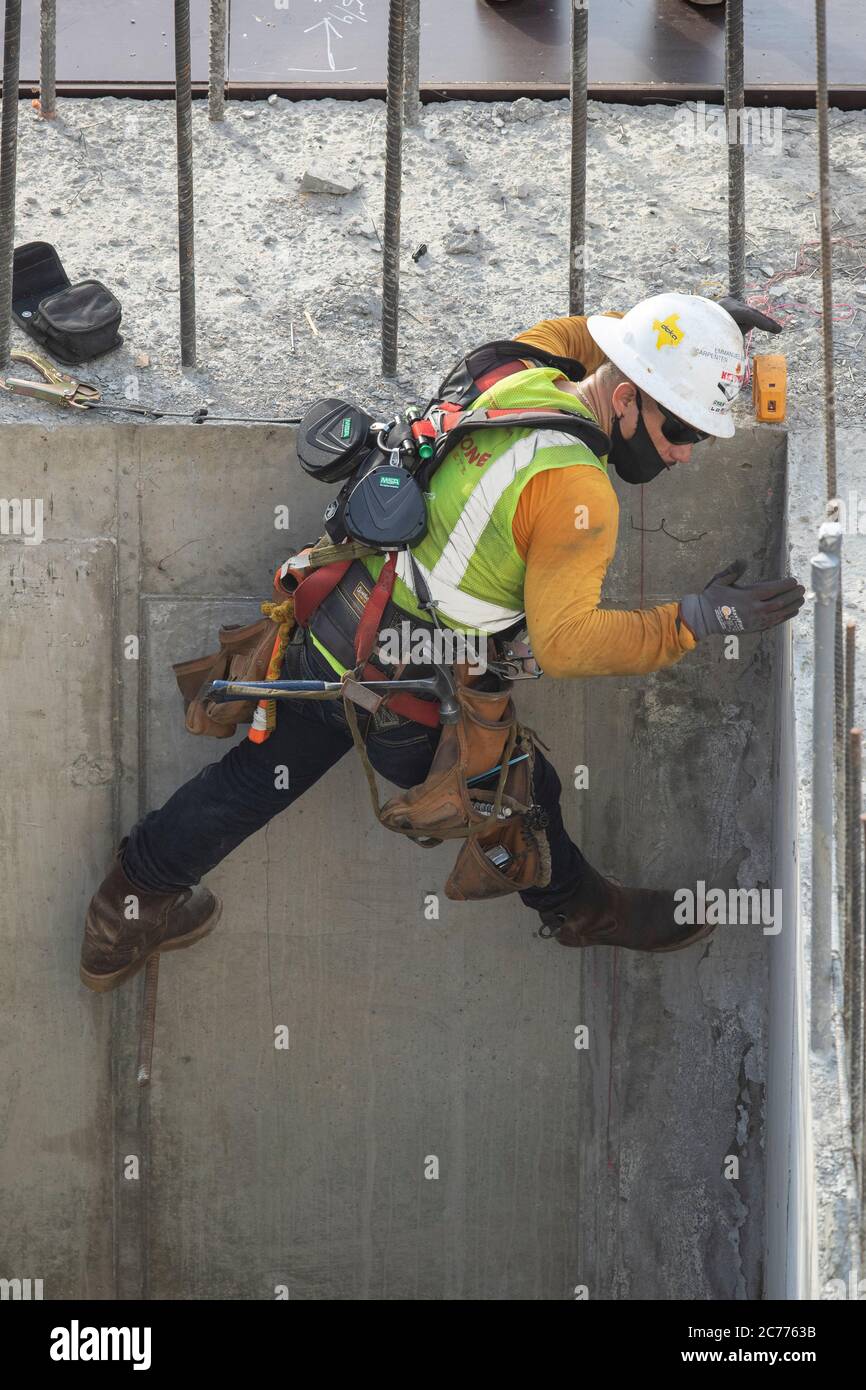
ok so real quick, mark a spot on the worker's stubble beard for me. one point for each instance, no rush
(596, 393)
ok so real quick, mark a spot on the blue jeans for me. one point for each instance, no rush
(212, 813)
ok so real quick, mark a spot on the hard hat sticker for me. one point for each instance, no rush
(669, 332)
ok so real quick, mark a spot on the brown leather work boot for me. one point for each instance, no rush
(600, 913)
(115, 947)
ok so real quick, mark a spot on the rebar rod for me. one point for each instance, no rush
(577, 229)
(48, 59)
(735, 103)
(823, 103)
(393, 187)
(830, 458)
(216, 90)
(185, 218)
(8, 163)
(412, 77)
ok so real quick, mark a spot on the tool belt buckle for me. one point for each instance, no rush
(297, 562)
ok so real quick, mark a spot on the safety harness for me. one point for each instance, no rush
(315, 573)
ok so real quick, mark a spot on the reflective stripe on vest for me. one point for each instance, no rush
(469, 558)
(449, 571)
(473, 612)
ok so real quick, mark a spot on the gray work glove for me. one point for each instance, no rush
(746, 318)
(725, 606)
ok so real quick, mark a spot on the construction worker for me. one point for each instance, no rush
(659, 381)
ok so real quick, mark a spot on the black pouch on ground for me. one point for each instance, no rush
(74, 322)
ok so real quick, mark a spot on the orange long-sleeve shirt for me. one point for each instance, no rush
(566, 563)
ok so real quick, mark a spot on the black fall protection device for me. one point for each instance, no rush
(386, 467)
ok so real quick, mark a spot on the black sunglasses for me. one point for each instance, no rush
(675, 430)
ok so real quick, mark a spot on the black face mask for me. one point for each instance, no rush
(636, 460)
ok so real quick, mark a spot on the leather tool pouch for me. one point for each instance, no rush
(244, 654)
(445, 807)
(520, 836)
(441, 807)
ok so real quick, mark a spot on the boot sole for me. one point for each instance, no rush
(101, 984)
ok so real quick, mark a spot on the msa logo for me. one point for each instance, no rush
(346, 427)
(21, 1289)
(388, 480)
(75, 1343)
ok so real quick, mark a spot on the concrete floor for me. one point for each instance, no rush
(559, 1170)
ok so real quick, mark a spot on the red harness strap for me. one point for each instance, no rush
(409, 706)
(374, 609)
(495, 374)
(315, 589)
(452, 416)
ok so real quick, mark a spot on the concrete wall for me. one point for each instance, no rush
(410, 1038)
(684, 790)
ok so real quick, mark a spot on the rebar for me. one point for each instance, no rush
(825, 584)
(148, 1021)
(577, 229)
(216, 91)
(185, 220)
(393, 186)
(735, 105)
(854, 965)
(48, 59)
(826, 244)
(8, 162)
(412, 77)
(830, 460)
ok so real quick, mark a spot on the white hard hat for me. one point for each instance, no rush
(685, 351)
